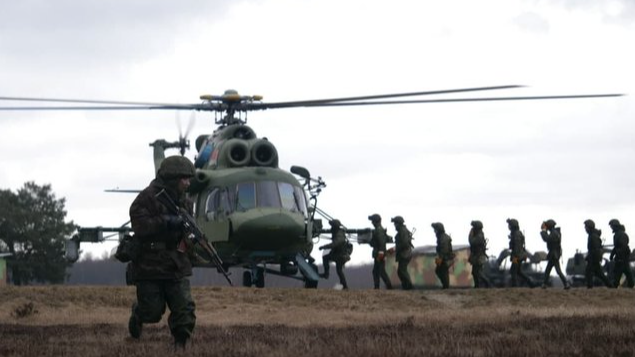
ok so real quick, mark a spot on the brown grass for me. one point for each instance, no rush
(91, 321)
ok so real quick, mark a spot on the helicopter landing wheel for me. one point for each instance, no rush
(260, 278)
(247, 279)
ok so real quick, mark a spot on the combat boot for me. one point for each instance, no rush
(180, 340)
(135, 326)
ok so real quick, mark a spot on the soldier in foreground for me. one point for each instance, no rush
(378, 242)
(161, 270)
(594, 255)
(478, 255)
(551, 235)
(621, 254)
(445, 255)
(518, 253)
(338, 254)
(403, 251)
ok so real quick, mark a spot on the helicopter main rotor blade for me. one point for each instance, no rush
(453, 100)
(86, 101)
(313, 102)
(113, 107)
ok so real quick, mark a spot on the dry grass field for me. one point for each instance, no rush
(92, 321)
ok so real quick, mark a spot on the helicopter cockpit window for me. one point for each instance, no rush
(211, 205)
(268, 194)
(246, 196)
(300, 199)
(287, 197)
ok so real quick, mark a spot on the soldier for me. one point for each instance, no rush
(445, 255)
(478, 255)
(161, 270)
(518, 253)
(378, 242)
(621, 254)
(551, 235)
(338, 254)
(403, 251)
(594, 255)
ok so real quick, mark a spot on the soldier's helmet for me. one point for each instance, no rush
(374, 218)
(589, 224)
(438, 227)
(397, 220)
(335, 223)
(512, 223)
(477, 224)
(614, 223)
(550, 223)
(175, 167)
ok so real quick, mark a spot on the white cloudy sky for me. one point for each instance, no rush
(567, 160)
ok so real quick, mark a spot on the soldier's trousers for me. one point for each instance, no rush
(517, 272)
(154, 295)
(478, 275)
(622, 267)
(402, 273)
(379, 271)
(554, 263)
(339, 268)
(443, 272)
(593, 268)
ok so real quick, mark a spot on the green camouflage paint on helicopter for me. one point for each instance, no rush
(422, 267)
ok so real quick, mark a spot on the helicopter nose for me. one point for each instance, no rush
(268, 229)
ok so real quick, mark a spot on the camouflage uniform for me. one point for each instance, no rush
(594, 255)
(551, 235)
(445, 255)
(163, 264)
(621, 254)
(478, 255)
(518, 253)
(338, 254)
(403, 251)
(378, 242)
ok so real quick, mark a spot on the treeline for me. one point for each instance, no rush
(112, 272)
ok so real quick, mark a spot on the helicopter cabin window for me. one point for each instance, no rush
(224, 201)
(268, 194)
(246, 196)
(287, 197)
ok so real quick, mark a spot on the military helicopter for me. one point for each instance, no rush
(255, 214)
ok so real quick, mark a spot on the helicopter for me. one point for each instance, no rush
(258, 216)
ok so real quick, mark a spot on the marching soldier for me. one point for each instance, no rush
(378, 242)
(403, 250)
(445, 255)
(338, 254)
(518, 253)
(620, 254)
(478, 255)
(594, 255)
(551, 235)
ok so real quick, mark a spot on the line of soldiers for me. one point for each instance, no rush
(549, 232)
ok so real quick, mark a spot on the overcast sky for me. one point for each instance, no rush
(569, 160)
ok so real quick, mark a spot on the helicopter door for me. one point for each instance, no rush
(217, 213)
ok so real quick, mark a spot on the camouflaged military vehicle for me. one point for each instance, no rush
(497, 269)
(576, 268)
(421, 268)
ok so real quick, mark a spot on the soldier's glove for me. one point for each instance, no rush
(515, 260)
(173, 222)
(438, 261)
(380, 256)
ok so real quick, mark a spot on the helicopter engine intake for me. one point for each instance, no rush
(263, 153)
(236, 153)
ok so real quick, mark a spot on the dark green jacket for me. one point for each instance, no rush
(159, 257)
(444, 247)
(403, 243)
(621, 250)
(338, 245)
(378, 240)
(517, 245)
(594, 246)
(478, 247)
(553, 239)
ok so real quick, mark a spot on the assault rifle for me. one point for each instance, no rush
(197, 234)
